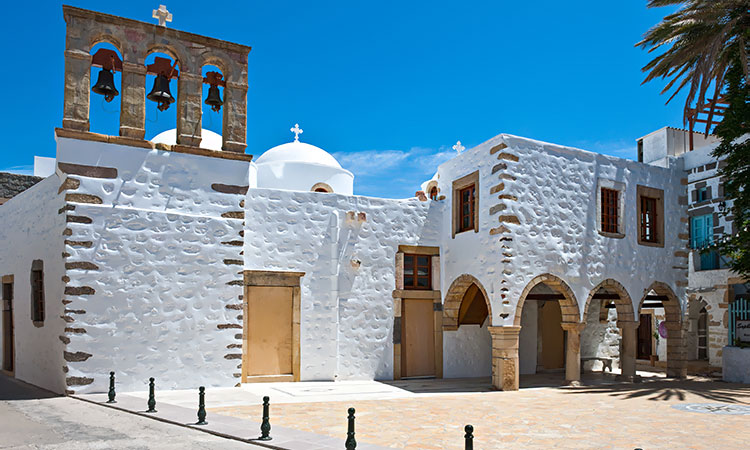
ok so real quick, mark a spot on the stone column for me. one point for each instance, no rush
(77, 88)
(676, 350)
(189, 108)
(505, 357)
(235, 117)
(629, 330)
(573, 353)
(133, 103)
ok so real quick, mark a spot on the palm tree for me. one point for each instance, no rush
(703, 36)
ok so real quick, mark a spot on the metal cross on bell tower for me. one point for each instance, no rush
(162, 15)
(297, 131)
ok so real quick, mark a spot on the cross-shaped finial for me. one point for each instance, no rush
(297, 131)
(458, 147)
(162, 15)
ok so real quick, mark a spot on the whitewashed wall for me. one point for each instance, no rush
(30, 229)
(349, 265)
(556, 189)
(161, 288)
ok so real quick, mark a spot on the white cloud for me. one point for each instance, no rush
(20, 170)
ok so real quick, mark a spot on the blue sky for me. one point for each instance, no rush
(386, 86)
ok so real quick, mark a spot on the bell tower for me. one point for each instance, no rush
(135, 41)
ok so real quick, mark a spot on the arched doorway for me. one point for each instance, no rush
(609, 337)
(467, 317)
(550, 328)
(660, 317)
(696, 337)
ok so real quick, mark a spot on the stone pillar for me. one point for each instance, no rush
(235, 117)
(133, 102)
(189, 108)
(629, 331)
(505, 357)
(676, 350)
(573, 353)
(77, 88)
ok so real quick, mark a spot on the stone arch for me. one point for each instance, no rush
(676, 348)
(623, 305)
(322, 187)
(105, 38)
(455, 296)
(170, 51)
(568, 305)
(211, 59)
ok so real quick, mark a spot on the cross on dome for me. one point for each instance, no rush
(297, 131)
(458, 147)
(162, 15)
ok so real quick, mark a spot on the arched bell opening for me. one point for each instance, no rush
(608, 338)
(106, 88)
(162, 73)
(213, 110)
(660, 334)
(549, 338)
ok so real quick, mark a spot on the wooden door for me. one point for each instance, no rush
(8, 345)
(418, 338)
(553, 336)
(703, 335)
(645, 349)
(268, 325)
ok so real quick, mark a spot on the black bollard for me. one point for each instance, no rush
(351, 443)
(265, 425)
(202, 406)
(469, 436)
(151, 397)
(111, 393)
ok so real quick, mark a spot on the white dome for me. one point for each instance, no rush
(209, 139)
(297, 151)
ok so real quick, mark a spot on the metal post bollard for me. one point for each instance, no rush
(111, 393)
(151, 397)
(265, 425)
(202, 406)
(351, 443)
(469, 437)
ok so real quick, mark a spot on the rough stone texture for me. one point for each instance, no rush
(12, 184)
(135, 40)
(600, 339)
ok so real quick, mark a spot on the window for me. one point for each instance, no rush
(37, 291)
(702, 237)
(466, 214)
(650, 216)
(434, 193)
(609, 210)
(417, 271)
(465, 204)
(702, 194)
(648, 219)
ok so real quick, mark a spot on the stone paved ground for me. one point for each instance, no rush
(620, 416)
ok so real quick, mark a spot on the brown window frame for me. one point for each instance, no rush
(610, 210)
(471, 201)
(649, 211)
(411, 261)
(37, 292)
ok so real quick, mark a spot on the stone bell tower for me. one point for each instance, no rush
(135, 41)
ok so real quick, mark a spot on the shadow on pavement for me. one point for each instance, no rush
(12, 389)
(672, 389)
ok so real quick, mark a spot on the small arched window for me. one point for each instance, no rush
(322, 187)
(434, 193)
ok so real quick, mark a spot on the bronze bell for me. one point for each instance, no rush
(105, 85)
(160, 93)
(214, 98)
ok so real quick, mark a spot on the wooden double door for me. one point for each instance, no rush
(417, 338)
(645, 335)
(8, 333)
(269, 336)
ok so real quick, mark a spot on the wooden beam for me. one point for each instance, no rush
(605, 296)
(660, 298)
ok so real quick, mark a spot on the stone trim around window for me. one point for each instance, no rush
(461, 183)
(620, 188)
(658, 194)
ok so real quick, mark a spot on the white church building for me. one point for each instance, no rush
(185, 259)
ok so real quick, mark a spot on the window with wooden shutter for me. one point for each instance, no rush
(37, 291)
(648, 219)
(466, 209)
(610, 206)
(417, 271)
